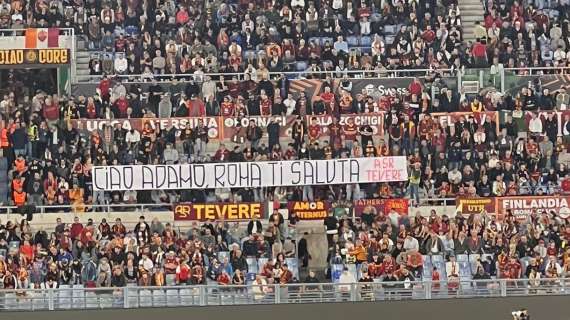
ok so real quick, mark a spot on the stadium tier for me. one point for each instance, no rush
(285, 150)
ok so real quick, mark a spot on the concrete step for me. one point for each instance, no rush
(82, 72)
(466, 4)
(470, 3)
(471, 19)
(472, 12)
(82, 53)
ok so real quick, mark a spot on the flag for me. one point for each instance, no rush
(40, 38)
(53, 37)
(42, 42)
(31, 38)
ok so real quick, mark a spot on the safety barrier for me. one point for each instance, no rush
(78, 298)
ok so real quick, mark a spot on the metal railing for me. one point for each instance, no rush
(92, 207)
(355, 74)
(80, 298)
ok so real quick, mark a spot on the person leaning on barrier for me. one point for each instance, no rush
(118, 279)
(366, 290)
(311, 278)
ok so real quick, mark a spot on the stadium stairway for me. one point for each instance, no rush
(4, 182)
(471, 12)
(317, 244)
(82, 63)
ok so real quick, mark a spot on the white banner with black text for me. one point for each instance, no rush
(249, 174)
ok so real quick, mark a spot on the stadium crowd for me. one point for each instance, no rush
(439, 248)
(49, 157)
(155, 254)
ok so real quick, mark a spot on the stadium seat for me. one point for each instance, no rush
(352, 41)
(427, 268)
(365, 41)
(439, 262)
(252, 265)
(390, 30)
(301, 66)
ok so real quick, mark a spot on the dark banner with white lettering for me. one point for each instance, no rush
(34, 58)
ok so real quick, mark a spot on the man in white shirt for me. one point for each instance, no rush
(452, 269)
(535, 125)
(411, 243)
(341, 45)
(146, 263)
(121, 63)
(290, 104)
(132, 136)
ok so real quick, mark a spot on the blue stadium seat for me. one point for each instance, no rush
(439, 262)
(352, 41)
(301, 66)
(365, 41)
(427, 268)
(336, 271)
(250, 277)
(473, 260)
(390, 29)
(3, 164)
(293, 265)
(252, 265)
(325, 39)
(261, 262)
(317, 40)
(464, 266)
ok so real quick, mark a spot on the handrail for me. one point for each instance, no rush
(272, 75)
(24, 30)
(66, 298)
(378, 73)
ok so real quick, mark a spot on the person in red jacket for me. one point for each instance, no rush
(479, 51)
(223, 279)
(415, 87)
(122, 104)
(183, 273)
(76, 228)
(105, 87)
(196, 107)
(50, 110)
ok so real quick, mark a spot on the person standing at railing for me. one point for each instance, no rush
(9, 280)
(118, 279)
(452, 271)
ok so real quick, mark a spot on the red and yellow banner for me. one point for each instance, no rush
(30, 57)
(474, 205)
(381, 206)
(219, 211)
(212, 123)
(521, 207)
(305, 210)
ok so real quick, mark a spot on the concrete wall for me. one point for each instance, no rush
(546, 307)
